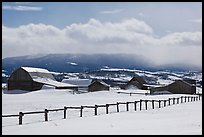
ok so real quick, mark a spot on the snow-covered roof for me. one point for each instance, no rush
(79, 82)
(52, 82)
(161, 92)
(31, 69)
(44, 76)
(38, 72)
(102, 82)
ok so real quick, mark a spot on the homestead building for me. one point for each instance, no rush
(98, 85)
(137, 82)
(31, 79)
(177, 87)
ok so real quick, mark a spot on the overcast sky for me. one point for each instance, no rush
(163, 33)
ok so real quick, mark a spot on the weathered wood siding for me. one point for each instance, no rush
(20, 79)
(97, 86)
(179, 87)
(136, 81)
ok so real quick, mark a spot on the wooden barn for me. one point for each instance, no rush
(31, 79)
(98, 85)
(177, 87)
(137, 82)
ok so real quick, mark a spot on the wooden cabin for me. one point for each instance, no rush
(98, 85)
(137, 82)
(177, 87)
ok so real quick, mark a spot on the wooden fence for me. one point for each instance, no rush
(167, 102)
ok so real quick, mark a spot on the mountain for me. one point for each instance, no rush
(83, 62)
(109, 67)
(75, 62)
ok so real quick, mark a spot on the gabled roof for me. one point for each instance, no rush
(51, 82)
(139, 79)
(44, 76)
(31, 69)
(182, 81)
(38, 72)
(99, 81)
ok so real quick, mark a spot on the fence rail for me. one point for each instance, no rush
(95, 107)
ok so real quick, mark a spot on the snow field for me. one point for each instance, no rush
(185, 118)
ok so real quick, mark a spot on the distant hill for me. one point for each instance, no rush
(75, 62)
(83, 62)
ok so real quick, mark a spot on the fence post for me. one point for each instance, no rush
(96, 109)
(130, 93)
(177, 100)
(181, 99)
(135, 105)
(81, 111)
(65, 109)
(107, 108)
(169, 101)
(46, 115)
(159, 103)
(185, 99)
(164, 103)
(173, 100)
(146, 104)
(20, 118)
(127, 107)
(140, 104)
(199, 96)
(152, 104)
(117, 106)
(188, 98)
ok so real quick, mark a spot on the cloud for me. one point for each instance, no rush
(111, 11)
(141, 14)
(183, 39)
(130, 36)
(196, 20)
(96, 31)
(23, 3)
(21, 8)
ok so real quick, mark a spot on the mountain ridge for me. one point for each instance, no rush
(87, 62)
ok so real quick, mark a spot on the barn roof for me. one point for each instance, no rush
(100, 81)
(31, 69)
(52, 82)
(139, 79)
(44, 76)
(79, 82)
(182, 81)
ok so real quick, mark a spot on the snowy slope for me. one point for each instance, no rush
(183, 118)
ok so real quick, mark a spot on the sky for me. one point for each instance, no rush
(161, 32)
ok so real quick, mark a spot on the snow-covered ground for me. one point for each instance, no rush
(185, 118)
